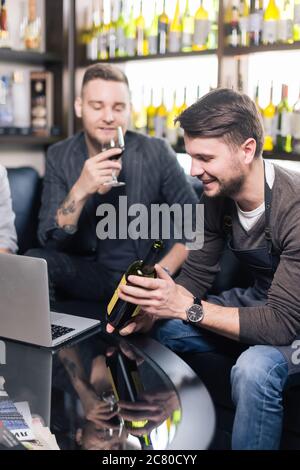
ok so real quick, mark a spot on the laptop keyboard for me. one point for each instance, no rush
(57, 331)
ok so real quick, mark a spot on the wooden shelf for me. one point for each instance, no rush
(29, 140)
(84, 62)
(28, 57)
(234, 51)
(282, 156)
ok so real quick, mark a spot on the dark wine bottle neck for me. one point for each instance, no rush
(152, 256)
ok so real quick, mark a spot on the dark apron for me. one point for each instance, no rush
(262, 263)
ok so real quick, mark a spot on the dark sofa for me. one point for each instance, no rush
(214, 369)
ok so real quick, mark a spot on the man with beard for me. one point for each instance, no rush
(81, 266)
(253, 207)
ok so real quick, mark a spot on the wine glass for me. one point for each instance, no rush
(116, 144)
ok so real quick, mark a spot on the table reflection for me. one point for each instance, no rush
(106, 396)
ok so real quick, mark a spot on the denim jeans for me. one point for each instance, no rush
(257, 382)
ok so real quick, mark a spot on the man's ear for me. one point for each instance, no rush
(78, 107)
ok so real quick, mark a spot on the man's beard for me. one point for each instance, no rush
(97, 143)
(230, 188)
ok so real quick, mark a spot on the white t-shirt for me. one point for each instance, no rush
(248, 219)
(8, 235)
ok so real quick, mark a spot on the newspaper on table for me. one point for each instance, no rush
(16, 419)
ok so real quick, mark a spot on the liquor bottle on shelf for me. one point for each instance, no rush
(153, 33)
(151, 112)
(140, 116)
(121, 41)
(175, 32)
(4, 33)
(213, 14)
(19, 95)
(285, 25)
(85, 31)
(187, 29)
(180, 142)
(295, 125)
(296, 26)
(163, 25)
(284, 137)
(255, 22)
(141, 41)
(119, 312)
(6, 104)
(112, 31)
(32, 33)
(256, 100)
(232, 25)
(244, 22)
(103, 32)
(271, 23)
(269, 119)
(161, 118)
(130, 34)
(171, 127)
(201, 28)
(93, 43)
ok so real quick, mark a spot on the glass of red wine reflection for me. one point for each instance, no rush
(118, 143)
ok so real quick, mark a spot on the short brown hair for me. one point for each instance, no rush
(227, 114)
(106, 72)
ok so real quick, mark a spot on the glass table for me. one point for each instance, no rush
(105, 392)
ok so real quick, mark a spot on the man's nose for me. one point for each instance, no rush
(108, 115)
(196, 168)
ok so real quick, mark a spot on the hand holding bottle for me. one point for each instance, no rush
(159, 298)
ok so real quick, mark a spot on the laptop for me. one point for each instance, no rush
(24, 305)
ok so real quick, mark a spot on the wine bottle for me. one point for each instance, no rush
(151, 112)
(232, 25)
(285, 25)
(4, 33)
(296, 126)
(187, 29)
(201, 29)
(153, 34)
(271, 23)
(92, 44)
(175, 32)
(32, 33)
(182, 107)
(140, 121)
(269, 114)
(141, 41)
(119, 312)
(172, 129)
(121, 42)
(112, 32)
(296, 27)
(255, 26)
(284, 136)
(256, 100)
(161, 118)
(163, 23)
(244, 22)
(130, 34)
(103, 33)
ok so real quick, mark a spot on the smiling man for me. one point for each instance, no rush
(80, 265)
(253, 207)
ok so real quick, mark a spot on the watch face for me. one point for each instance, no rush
(195, 313)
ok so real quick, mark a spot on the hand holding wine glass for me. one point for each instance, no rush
(119, 143)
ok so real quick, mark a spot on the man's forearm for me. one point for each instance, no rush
(69, 211)
(222, 320)
(174, 258)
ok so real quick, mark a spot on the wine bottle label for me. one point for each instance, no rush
(285, 123)
(270, 32)
(130, 46)
(285, 30)
(187, 41)
(269, 126)
(121, 41)
(140, 41)
(172, 136)
(297, 14)
(152, 40)
(115, 298)
(162, 42)
(295, 124)
(255, 22)
(174, 41)
(201, 31)
(244, 23)
(160, 126)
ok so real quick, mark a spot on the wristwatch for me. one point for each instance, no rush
(195, 313)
